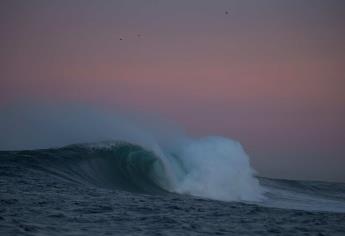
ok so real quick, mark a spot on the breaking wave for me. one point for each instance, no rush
(213, 167)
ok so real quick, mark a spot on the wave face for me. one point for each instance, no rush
(214, 167)
(123, 166)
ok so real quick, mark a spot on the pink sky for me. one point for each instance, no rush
(269, 74)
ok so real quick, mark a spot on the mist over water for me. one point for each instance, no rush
(46, 126)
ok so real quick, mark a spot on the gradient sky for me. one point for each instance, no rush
(270, 74)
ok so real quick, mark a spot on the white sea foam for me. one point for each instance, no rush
(216, 168)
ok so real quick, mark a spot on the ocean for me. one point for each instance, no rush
(121, 188)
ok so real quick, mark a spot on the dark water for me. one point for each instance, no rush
(75, 191)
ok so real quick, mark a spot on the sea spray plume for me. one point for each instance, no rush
(217, 168)
(211, 167)
(33, 126)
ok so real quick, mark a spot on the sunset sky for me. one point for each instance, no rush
(270, 73)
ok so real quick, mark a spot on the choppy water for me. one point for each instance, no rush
(114, 191)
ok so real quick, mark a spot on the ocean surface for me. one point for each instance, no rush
(127, 189)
